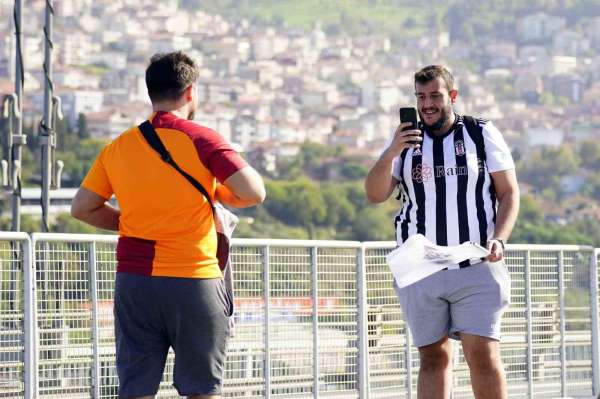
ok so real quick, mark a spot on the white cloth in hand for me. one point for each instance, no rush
(418, 258)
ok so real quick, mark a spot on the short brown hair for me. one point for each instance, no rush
(432, 72)
(169, 74)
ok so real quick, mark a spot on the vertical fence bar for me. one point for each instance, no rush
(315, 310)
(267, 298)
(363, 349)
(561, 301)
(95, 337)
(408, 356)
(30, 320)
(529, 323)
(455, 355)
(18, 139)
(595, 326)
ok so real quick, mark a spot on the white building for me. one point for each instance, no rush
(81, 102)
(539, 26)
(544, 136)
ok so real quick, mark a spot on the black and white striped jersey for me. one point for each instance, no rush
(446, 185)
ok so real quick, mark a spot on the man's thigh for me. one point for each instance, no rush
(479, 296)
(424, 309)
(197, 315)
(141, 341)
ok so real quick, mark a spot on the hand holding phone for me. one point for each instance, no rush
(409, 114)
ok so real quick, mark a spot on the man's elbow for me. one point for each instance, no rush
(374, 196)
(258, 196)
(76, 211)
(375, 199)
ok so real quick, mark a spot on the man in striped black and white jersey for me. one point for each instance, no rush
(457, 178)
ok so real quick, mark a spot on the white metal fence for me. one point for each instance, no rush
(314, 319)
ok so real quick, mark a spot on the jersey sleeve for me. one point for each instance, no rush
(219, 156)
(498, 156)
(96, 179)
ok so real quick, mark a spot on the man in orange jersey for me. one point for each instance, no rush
(169, 289)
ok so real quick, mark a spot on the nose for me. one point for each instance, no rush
(427, 102)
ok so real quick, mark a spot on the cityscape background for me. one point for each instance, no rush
(309, 91)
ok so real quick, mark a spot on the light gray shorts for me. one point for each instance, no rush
(470, 300)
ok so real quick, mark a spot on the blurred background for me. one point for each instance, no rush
(309, 91)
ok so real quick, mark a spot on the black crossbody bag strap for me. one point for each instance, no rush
(152, 138)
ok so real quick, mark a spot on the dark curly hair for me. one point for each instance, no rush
(169, 74)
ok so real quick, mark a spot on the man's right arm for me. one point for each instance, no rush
(93, 209)
(380, 183)
(242, 189)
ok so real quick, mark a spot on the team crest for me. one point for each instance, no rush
(459, 148)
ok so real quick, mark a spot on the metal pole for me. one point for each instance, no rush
(47, 137)
(595, 326)
(95, 335)
(363, 348)
(18, 138)
(409, 359)
(30, 322)
(561, 300)
(267, 297)
(529, 323)
(315, 310)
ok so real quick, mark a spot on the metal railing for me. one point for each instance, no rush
(17, 312)
(314, 319)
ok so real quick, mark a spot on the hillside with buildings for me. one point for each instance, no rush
(275, 76)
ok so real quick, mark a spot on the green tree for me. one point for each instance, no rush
(82, 127)
(592, 186)
(353, 170)
(546, 166)
(79, 160)
(590, 155)
(340, 211)
(373, 224)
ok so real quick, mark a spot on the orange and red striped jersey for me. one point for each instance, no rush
(166, 225)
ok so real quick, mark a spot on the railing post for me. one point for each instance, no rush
(94, 298)
(363, 349)
(529, 323)
(561, 302)
(30, 322)
(595, 326)
(315, 311)
(408, 356)
(267, 299)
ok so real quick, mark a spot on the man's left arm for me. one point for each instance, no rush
(507, 193)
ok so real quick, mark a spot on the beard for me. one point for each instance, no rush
(444, 117)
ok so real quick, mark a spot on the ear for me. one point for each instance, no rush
(188, 93)
(453, 93)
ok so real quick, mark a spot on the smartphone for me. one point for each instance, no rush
(408, 115)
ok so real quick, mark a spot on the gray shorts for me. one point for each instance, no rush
(155, 313)
(470, 300)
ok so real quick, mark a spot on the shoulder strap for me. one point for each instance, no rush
(152, 138)
(476, 132)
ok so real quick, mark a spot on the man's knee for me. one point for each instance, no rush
(484, 360)
(435, 357)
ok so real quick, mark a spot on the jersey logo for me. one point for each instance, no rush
(417, 152)
(459, 148)
(421, 173)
